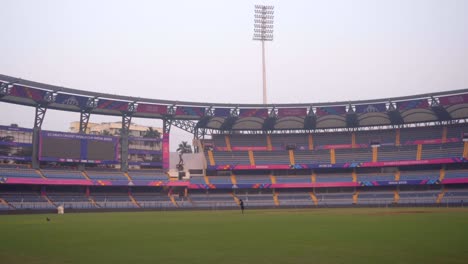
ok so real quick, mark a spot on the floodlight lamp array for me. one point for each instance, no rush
(264, 7)
(263, 26)
(263, 37)
(264, 16)
(270, 26)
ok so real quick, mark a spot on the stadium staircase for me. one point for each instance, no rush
(2, 201)
(211, 158)
(187, 196)
(354, 175)
(397, 175)
(332, 156)
(134, 201)
(314, 198)
(269, 145)
(275, 198)
(440, 196)
(375, 154)
(236, 200)
(396, 197)
(207, 180)
(233, 179)
(465, 149)
(397, 137)
(171, 197)
(313, 177)
(85, 175)
(168, 175)
(311, 142)
(128, 176)
(353, 139)
(228, 142)
(292, 160)
(442, 174)
(48, 200)
(172, 179)
(251, 158)
(419, 152)
(39, 172)
(355, 197)
(444, 134)
(93, 202)
(272, 178)
(174, 202)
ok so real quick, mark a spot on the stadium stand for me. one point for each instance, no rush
(62, 174)
(250, 141)
(293, 179)
(113, 200)
(253, 179)
(387, 152)
(437, 151)
(381, 198)
(219, 141)
(353, 155)
(231, 157)
(26, 200)
(271, 157)
(212, 200)
(326, 139)
(147, 175)
(299, 141)
(317, 156)
(153, 200)
(453, 174)
(418, 197)
(295, 198)
(409, 135)
(456, 131)
(384, 137)
(392, 153)
(257, 198)
(375, 177)
(219, 180)
(106, 175)
(334, 177)
(71, 200)
(419, 175)
(455, 196)
(334, 198)
(198, 180)
(18, 171)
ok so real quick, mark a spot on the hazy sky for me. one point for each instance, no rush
(203, 51)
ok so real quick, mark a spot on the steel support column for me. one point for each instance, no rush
(126, 121)
(167, 123)
(84, 119)
(38, 119)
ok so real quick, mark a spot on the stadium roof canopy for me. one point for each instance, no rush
(432, 107)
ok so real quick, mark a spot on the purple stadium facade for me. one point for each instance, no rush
(402, 151)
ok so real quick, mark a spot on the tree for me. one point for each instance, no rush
(151, 133)
(106, 133)
(6, 149)
(183, 148)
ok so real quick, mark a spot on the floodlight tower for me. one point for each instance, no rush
(263, 31)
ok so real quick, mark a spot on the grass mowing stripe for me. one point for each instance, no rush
(260, 236)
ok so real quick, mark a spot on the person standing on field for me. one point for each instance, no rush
(241, 204)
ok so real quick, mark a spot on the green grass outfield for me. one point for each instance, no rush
(393, 235)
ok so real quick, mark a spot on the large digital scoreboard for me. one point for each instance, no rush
(70, 147)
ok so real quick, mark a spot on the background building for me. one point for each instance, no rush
(114, 128)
